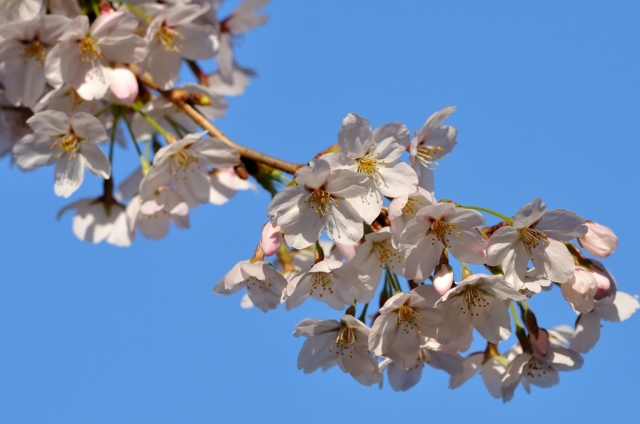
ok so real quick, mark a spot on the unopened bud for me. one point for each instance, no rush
(271, 239)
(600, 240)
(443, 278)
(540, 341)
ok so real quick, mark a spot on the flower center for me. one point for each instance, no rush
(89, 50)
(321, 281)
(531, 238)
(471, 299)
(171, 40)
(441, 230)
(182, 160)
(254, 281)
(408, 318)
(322, 202)
(428, 155)
(536, 368)
(412, 206)
(33, 50)
(387, 256)
(346, 339)
(68, 143)
(368, 165)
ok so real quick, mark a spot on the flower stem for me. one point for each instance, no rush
(167, 136)
(489, 211)
(144, 162)
(516, 320)
(363, 314)
(139, 12)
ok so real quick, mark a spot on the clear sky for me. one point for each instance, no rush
(548, 100)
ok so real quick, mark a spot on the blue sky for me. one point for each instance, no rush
(548, 98)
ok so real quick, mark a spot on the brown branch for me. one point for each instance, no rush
(177, 97)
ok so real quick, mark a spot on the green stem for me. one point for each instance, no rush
(489, 211)
(156, 126)
(139, 12)
(392, 283)
(363, 314)
(144, 162)
(114, 129)
(516, 320)
(103, 110)
(96, 9)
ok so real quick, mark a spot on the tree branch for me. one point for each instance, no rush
(177, 97)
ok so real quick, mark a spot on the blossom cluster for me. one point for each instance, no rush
(76, 75)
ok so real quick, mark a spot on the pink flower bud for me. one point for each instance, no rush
(541, 343)
(443, 279)
(123, 84)
(600, 240)
(271, 239)
(604, 286)
(105, 8)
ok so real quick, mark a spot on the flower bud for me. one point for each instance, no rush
(604, 288)
(271, 239)
(540, 344)
(123, 84)
(443, 278)
(600, 240)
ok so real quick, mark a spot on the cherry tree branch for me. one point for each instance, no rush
(177, 97)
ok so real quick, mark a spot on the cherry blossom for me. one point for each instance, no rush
(376, 254)
(375, 154)
(70, 143)
(81, 57)
(319, 201)
(536, 236)
(184, 164)
(225, 183)
(152, 216)
(580, 290)
(436, 227)
(402, 209)
(344, 343)
(480, 301)
(492, 368)
(264, 285)
(404, 322)
(19, 10)
(431, 143)
(22, 55)
(330, 281)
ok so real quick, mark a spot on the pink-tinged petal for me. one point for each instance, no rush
(467, 246)
(529, 214)
(163, 67)
(224, 58)
(396, 205)
(158, 175)
(354, 137)
(587, 333)
(390, 141)
(492, 372)
(49, 122)
(456, 325)
(155, 228)
(466, 218)
(434, 122)
(88, 127)
(95, 160)
(123, 84)
(421, 260)
(367, 206)
(561, 225)
(215, 153)
(201, 41)
(69, 174)
(305, 231)
(471, 366)
(564, 359)
(313, 176)
(288, 205)
(600, 240)
(557, 261)
(405, 349)
(316, 353)
(437, 211)
(114, 25)
(425, 176)
(26, 86)
(193, 185)
(398, 179)
(344, 224)
(313, 327)
(620, 309)
(415, 232)
(402, 380)
(514, 372)
(33, 151)
(514, 265)
(95, 84)
(180, 15)
(347, 184)
(501, 241)
(540, 344)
